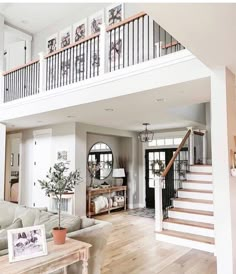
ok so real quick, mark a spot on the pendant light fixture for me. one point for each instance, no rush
(146, 135)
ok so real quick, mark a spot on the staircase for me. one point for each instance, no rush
(191, 220)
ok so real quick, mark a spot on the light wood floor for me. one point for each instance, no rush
(132, 249)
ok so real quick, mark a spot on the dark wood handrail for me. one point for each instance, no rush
(20, 67)
(168, 167)
(198, 133)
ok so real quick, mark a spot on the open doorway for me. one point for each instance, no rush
(13, 168)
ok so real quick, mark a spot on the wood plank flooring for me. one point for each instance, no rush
(132, 249)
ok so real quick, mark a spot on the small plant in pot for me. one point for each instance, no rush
(59, 181)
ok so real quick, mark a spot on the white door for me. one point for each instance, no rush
(15, 55)
(42, 163)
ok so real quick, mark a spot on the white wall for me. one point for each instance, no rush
(39, 39)
(63, 138)
(223, 129)
(77, 138)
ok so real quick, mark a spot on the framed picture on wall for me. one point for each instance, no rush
(52, 43)
(80, 30)
(95, 21)
(65, 37)
(114, 14)
(62, 155)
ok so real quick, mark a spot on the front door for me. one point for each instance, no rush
(165, 156)
(173, 179)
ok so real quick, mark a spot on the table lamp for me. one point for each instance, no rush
(118, 174)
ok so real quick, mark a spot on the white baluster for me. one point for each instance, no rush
(42, 72)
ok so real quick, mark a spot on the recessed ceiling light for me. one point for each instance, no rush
(161, 100)
(24, 22)
(109, 109)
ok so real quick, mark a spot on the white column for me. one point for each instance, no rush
(191, 147)
(223, 129)
(42, 72)
(1, 42)
(158, 205)
(2, 159)
(204, 147)
(102, 49)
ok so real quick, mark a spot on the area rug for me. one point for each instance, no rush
(143, 212)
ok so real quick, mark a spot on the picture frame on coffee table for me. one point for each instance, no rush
(26, 243)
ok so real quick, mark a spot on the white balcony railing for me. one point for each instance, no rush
(136, 39)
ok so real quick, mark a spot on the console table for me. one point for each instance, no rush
(91, 193)
(59, 257)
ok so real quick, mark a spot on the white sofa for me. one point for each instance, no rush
(80, 228)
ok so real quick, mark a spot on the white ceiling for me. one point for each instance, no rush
(207, 30)
(131, 111)
(34, 17)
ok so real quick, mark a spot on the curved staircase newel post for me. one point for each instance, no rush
(158, 204)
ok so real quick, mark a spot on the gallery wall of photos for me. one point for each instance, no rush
(88, 26)
(137, 41)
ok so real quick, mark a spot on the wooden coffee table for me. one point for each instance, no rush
(59, 257)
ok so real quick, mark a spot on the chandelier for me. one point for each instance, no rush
(146, 135)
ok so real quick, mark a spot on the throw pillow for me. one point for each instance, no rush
(3, 234)
(70, 222)
(86, 222)
(27, 215)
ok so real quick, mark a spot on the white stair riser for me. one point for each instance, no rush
(197, 186)
(185, 242)
(189, 229)
(190, 205)
(199, 177)
(195, 195)
(191, 217)
(201, 169)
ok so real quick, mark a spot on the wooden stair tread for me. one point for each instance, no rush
(195, 190)
(188, 236)
(197, 182)
(189, 223)
(201, 201)
(200, 173)
(192, 211)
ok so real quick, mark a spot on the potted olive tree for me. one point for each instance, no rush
(59, 181)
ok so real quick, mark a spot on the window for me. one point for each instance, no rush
(165, 142)
(177, 141)
(160, 142)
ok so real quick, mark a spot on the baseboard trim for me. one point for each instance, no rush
(133, 206)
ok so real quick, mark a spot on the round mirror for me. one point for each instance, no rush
(100, 161)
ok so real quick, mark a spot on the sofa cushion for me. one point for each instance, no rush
(50, 220)
(3, 233)
(86, 222)
(7, 213)
(26, 214)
